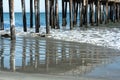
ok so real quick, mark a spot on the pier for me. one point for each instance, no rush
(81, 13)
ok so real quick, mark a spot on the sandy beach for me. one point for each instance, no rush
(108, 72)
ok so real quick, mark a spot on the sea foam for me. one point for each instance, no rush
(107, 37)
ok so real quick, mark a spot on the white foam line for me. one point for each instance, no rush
(107, 37)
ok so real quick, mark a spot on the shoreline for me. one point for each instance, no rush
(100, 36)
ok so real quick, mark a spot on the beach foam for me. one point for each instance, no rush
(107, 37)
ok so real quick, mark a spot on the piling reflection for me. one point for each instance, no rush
(1, 54)
(12, 56)
(41, 55)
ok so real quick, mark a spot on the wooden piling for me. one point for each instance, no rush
(118, 12)
(31, 13)
(12, 23)
(98, 12)
(111, 13)
(57, 15)
(71, 14)
(1, 16)
(106, 18)
(101, 13)
(114, 12)
(86, 13)
(24, 15)
(81, 14)
(64, 13)
(52, 13)
(92, 14)
(37, 15)
(96, 15)
(75, 13)
(47, 16)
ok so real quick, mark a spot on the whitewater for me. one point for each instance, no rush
(100, 36)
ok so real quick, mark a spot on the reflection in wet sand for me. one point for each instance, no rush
(1, 53)
(48, 56)
(12, 56)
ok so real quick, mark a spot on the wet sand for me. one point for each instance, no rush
(89, 62)
(107, 72)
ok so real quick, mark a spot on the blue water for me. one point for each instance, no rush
(19, 22)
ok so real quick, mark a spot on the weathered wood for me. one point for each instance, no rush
(75, 13)
(31, 13)
(114, 12)
(117, 13)
(12, 23)
(1, 16)
(24, 15)
(86, 12)
(101, 13)
(57, 15)
(81, 14)
(64, 13)
(92, 13)
(106, 20)
(52, 13)
(71, 14)
(98, 12)
(37, 15)
(111, 13)
(47, 16)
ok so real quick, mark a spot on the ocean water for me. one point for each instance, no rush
(19, 22)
